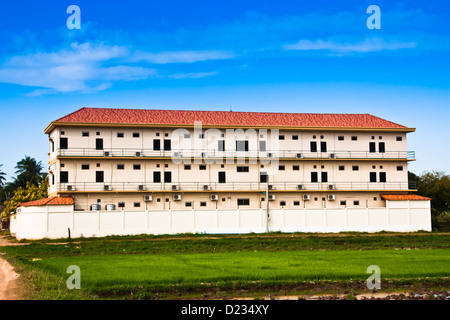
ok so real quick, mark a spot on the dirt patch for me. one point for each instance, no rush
(9, 289)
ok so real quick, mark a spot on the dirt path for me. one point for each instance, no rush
(9, 289)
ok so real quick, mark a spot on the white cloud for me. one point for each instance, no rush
(181, 56)
(368, 45)
(193, 75)
(81, 68)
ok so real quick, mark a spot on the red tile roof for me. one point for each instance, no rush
(394, 197)
(52, 201)
(224, 118)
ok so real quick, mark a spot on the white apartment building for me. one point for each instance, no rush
(163, 160)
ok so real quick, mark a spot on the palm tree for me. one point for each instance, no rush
(28, 170)
(2, 177)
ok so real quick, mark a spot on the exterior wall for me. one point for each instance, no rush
(55, 221)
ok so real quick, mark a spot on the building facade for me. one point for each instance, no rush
(123, 159)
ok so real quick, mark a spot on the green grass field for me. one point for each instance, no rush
(114, 267)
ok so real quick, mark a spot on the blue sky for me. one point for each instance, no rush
(275, 56)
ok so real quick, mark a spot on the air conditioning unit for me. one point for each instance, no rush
(142, 187)
(175, 187)
(139, 154)
(107, 188)
(270, 155)
(107, 154)
(331, 187)
(333, 155)
(177, 197)
(306, 197)
(110, 207)
(96, 207)
(300, 187)
(331, 197)
(271, 197)
(214, 197)
(206, 187)
(299, 155)
(177, 154)
(271, 187)
(70, 188)
(148, 198)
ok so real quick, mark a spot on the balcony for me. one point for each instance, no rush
(233, 186)
(231, 154)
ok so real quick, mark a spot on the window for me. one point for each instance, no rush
(243, 202)
(262, 199)
(167, 176)
(157, 177)
(356, 202)
(354, 138)
(187, 135)
(323, 146)
(99, 176)
(222, 177)
(313, 146)
(296, 203)
(158, 200)
(341, 168)
(84, 167)
(202, 204)
(371, 147)
(157, 134)
(295, 137)
(97, 133)
(295, 168)
(242, 169)
(188, 204)
(223, 199)
(314, 137)
(137, 204)
(121, 204)
(314, 177)
(399, 168)
(282, 203)
(166, 134)
(241, 145)
(373, 176)
(187, 167)
(98, 165)
(399, 138)
(156, 145)
(63, 133)
(120, 167)
(263, 177)
(136, 167)
(202, 167)
(53, 146)
(343, 203)
(380, 137)
(373, 137)
(322, 166)
(64, 177)
(53, 179)
(99, 144)
(375, 198)
(120, 135)
(262, 146)
(85, 134)
(167, 145)
(221, 146)
(324, 176)
(382, 176)
(341, 138)
(381, 147)
(355, 168)
(281, 137)
(281, 168)
(63, 143)
(136, 135)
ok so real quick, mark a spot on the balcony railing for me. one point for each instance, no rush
(232, 186)
(210, 153)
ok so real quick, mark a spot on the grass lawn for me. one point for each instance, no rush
(114, 267)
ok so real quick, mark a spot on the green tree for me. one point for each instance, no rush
(21, 195)
(28, 170)
(436, 185)
(2, 177)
